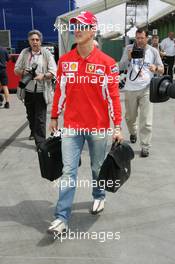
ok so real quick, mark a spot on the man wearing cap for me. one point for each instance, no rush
(87, 88)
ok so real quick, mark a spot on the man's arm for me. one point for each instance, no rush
(59, 99)
(126, 58)
(163, 44)
(158, 66)
(113, 97)
(51, 66)
(19, 69)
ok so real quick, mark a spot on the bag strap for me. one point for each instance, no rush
(137, 73)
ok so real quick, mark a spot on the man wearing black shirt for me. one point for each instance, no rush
(3, 75)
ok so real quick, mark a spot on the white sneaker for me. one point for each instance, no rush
(98, 206)
(58, 227)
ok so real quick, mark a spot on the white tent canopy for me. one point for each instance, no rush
(159, 15)
(171, 2)
(62, 22)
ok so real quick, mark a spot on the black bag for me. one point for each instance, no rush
(116, 168)
(1, 98)
(50, 158)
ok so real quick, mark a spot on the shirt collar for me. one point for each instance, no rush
(36, 53)
(89, 57)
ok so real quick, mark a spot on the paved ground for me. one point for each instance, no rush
(143, 210)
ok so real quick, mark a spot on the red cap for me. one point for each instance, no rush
(85, 17)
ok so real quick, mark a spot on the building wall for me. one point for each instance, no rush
(113, 48)
(164, 25)
(18, 17)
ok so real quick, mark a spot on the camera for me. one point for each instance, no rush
(137, 53)
(161, 89)
(29, 76)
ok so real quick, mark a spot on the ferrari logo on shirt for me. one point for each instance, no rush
(114, 68)
(95, 68)
(69, 66)
(90, 68)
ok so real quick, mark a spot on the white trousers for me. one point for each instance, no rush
(134, 101)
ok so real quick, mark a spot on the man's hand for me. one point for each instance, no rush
(53, 126)
(24, 72)
(117, 136)
(162, 54)
(152, 67)
(21, 73)
(39, 77)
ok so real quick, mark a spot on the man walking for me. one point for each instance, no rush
(87, 87)
(168, 45)
(142, 62)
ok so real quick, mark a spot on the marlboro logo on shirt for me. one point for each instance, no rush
(95, 68)
(114, 68)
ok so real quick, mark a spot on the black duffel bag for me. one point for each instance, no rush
(116, 168)
(50, 158)
(1, 98)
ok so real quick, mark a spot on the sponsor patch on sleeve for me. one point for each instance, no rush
(114, 68)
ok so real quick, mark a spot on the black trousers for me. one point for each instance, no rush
(36, 110)
(170, 61)
(3, 77)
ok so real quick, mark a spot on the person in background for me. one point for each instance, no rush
(4, 57)
(37, 90)
(155, 43)
(168, 45)
(141, 69)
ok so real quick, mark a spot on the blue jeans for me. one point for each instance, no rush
(72, 146)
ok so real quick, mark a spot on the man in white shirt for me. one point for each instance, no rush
(141, 68)
(168, 45)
